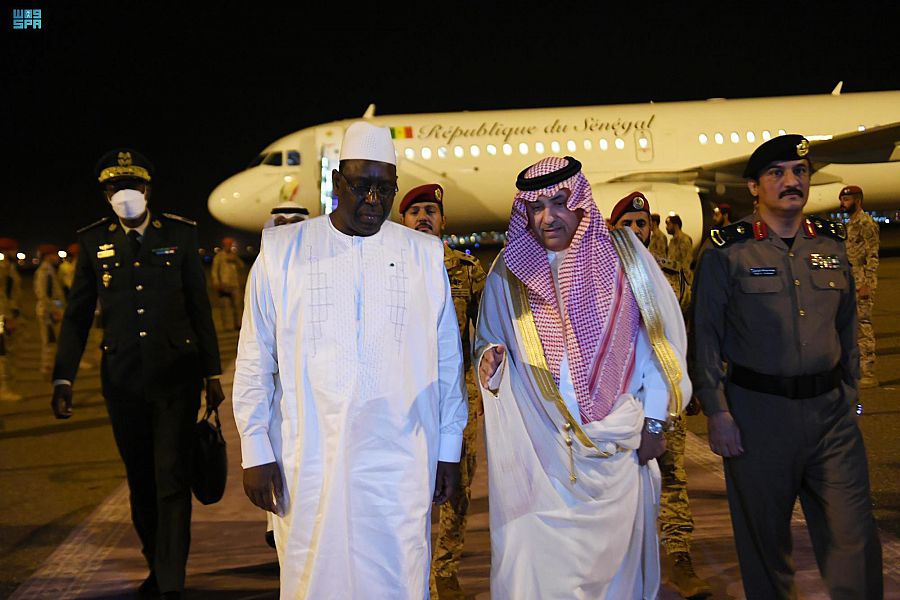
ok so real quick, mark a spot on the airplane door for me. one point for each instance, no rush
(643, 145)
(328, 139)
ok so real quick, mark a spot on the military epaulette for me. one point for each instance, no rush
(832, 229)
(178, 218)
(94, 224)
(468, 258)
(731, 234)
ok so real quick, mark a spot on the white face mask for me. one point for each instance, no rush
(128, 204)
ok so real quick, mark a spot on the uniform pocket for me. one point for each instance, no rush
(828, 279)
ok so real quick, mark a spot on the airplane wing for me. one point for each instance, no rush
(875, 145)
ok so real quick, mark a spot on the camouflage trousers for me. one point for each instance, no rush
(676, 523)
(49, 331)
(866, 335)
(452, 523)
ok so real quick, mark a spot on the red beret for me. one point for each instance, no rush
(430, 192)
(635, 201)
(851, 190)
(45, 249)
(73, 248)
(8, 245)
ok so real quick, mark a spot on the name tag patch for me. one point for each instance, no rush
(165, 251)
(763, 271)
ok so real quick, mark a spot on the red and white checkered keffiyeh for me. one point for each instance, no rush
(601, 318)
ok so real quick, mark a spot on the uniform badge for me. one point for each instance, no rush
(124, 159)
(638, 203)
(106, 251)
(106, 278)
(112, 227)
(165, 251)
(763, 271)
(157, 223)
(822, 261)
(438, 195)
(803, 148)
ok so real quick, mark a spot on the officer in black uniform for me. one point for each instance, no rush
(159, 344)
(774, 300)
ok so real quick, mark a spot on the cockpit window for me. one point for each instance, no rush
(273, 159)
(293, 157)
(256, 161)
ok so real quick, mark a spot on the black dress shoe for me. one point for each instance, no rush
(149, 588)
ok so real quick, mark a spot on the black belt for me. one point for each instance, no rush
(802, 386)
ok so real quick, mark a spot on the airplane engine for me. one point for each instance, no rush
(665, 199)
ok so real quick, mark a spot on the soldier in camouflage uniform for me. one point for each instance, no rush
(423, 209)
(675, 520)
(10, 286)
(862, 252)
(681, 246)
(659, 243)
(51, 302)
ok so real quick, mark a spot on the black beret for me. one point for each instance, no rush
(123, 163)
(782, 148)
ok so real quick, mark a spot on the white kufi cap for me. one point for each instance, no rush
(364, 141)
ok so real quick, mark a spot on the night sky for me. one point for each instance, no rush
(200, 92)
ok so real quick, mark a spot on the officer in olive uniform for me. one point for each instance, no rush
(659, 243)
(775, 301)
(423, 209)
(676, 522)
(50, 301)
(159, 343)
(862, 252)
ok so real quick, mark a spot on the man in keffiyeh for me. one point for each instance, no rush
(580, 348)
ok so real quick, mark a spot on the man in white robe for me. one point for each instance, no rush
(575, 396)
(350, 322)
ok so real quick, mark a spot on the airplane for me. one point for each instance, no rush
(684, 156)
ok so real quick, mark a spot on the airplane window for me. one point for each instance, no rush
(588, 145)
(507, 149)
(442, 152)
(426, 153)
(781, 132)
(458, 151)
(293, 158)
(474, 150)
(492, 149)
(604, 145)
(735, 138)
(554, 147)
(751, 137)
(570, 145)
(620, 143)
(539, 147)
(643, 142)
(257, 161)
(861, 128)
(719, 138)
(409, 153)
(704, 139)
(273, 159)
(766, 135)
(523, 148)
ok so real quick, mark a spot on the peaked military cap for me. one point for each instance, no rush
(782, 148)
(124, 163)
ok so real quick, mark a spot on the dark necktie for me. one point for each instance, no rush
(134, 239)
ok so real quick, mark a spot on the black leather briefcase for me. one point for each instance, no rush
(210, 468)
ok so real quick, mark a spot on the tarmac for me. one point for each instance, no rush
(100, 558)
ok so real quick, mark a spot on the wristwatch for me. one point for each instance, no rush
(654, 426)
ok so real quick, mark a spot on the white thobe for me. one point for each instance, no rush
(552, 538)
(349, 374)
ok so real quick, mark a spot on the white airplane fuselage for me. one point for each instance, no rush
(476, 156)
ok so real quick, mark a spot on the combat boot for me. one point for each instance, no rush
(685, 580)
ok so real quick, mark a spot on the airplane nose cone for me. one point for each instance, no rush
(231, 204)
